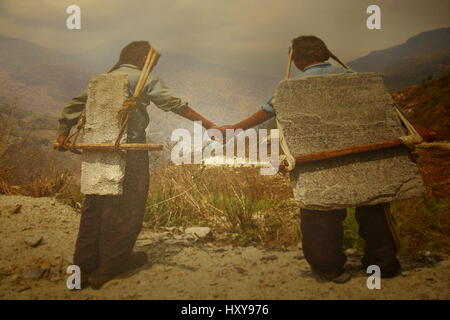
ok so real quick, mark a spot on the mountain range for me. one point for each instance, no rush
(43, 80)
(426, 55)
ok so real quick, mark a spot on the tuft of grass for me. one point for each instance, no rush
(351, 232)
(423, 224)
(244, 206)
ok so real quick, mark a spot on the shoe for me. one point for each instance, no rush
(136, 260)
(387, 271)
(390, 272)
(338, 278)
(85, 278)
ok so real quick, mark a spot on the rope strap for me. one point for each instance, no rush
(413, 138)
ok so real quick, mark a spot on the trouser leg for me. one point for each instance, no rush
(380, 246)
(322, 235)
(87, 244)
(123, 215)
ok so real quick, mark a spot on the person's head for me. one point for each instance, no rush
(308, 50)
(133, 53)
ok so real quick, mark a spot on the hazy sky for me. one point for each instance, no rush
(252, 35)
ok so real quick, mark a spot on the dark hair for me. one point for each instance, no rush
(310, 49)
(133, 53)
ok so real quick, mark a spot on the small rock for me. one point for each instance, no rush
(202, 233)
(144, 243)
(33, 273)
(56, 279)
(14, 277)
(405, 273)
(16, 209)
(269, 258)
(176, 242)
(46, 265)
(33, 241)
(252, 254)
(11, 209)
(240, 270)
(24, 288)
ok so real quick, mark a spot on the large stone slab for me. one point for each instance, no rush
(102, 172)
(336, 111)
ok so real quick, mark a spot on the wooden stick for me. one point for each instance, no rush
(153, 62)
(328, 154)
(288, 67)
(112, 147)
(144, 74)
(439, 144)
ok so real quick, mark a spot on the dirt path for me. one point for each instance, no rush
(181, 268)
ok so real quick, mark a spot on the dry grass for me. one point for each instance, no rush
(29, 167)
(243, 206)
(423, 224)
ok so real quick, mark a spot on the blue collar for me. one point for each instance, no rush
(318, 65)
(128, 66)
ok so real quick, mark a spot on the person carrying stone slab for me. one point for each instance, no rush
(322, 231)
(110, 224)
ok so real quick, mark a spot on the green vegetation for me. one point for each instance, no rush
(423, 224)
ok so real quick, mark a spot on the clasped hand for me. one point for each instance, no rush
(223, 130)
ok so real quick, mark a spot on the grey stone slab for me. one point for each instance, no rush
(338, 111)
(102, 172)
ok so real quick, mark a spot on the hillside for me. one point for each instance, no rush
(424, 55)
(40, 79)
(428, 104)
(43, 80)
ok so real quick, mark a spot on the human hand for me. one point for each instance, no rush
(59, 144)
(223, 131)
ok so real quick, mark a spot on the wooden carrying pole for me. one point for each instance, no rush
(112, 146)
(288, 67)
(409, 141)
(328, 154)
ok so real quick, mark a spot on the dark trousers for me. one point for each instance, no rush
(323, 233)
(110, 225)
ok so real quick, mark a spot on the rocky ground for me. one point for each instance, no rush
(38, 236)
